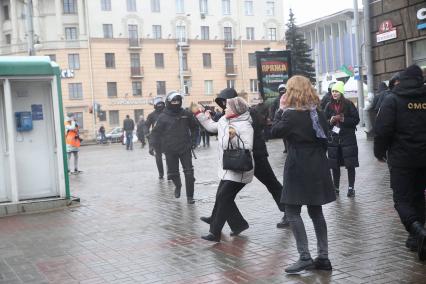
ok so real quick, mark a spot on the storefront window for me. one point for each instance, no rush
(418, 49)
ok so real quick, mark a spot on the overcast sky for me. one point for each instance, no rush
(308, 10)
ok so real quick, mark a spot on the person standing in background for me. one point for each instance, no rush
(140, 130)
(128, 127)
(73, 141)
(155, 150)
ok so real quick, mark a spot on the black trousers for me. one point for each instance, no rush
(408, 185)
(225, 209)
(172, 160)
(264, 173)
(159, 162)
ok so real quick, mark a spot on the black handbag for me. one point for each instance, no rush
(239, 160)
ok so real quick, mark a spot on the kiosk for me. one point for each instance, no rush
(33, 169)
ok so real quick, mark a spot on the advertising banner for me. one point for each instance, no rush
(273, 69)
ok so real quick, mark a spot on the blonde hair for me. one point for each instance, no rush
(300, 93)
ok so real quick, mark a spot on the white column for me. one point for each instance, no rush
(351, 42)
(36, 18)
(333, 49)
(58, 12)
(318, 53)
(14, 21)
(81, 18)
(313, 47)
(342, 57)
(11, 140)
(326, 47)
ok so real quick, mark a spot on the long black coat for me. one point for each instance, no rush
(347, 155)
(307, 178)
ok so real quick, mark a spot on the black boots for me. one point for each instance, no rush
(322, 264)
(411, 243)
(283, 223)
(419, 232)
(351, 192)
(207, 220)
(178, 185)
(239, 231)
(210, 237)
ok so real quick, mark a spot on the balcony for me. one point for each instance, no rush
(186, 72)
(184, 43)
(136, 72)
(229, 44)
(134, 43)
(231, 70)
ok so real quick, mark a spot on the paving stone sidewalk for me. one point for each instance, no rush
(130, 229)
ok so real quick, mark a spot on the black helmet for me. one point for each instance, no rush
(393, 79)
(225, 94)
(174, 96)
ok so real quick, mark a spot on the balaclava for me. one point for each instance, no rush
(171, 100)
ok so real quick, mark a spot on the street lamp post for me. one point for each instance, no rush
(181, 61)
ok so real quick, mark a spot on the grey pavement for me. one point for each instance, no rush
(131, 229)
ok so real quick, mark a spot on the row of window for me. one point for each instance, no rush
(75, 90)
(74, 60)
(114, 116)
(180, 6)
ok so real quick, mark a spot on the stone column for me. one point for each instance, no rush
(342, 57)
(14, 22)
(313, 47)
(333, 48)
(36, 18)
(326, 47)
(81, 18)
(351, 42)
(59, 25)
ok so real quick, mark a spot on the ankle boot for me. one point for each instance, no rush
(207, 220)
(411, 242)
(283, 223)
(178, 185)
(300, 265)
(418, 230)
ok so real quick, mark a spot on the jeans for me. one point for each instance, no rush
(225, 209)
(299, 232)
(75, 153)
(129, 140)
(172, 160)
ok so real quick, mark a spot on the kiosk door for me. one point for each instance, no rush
(34, 139)
(3, 150)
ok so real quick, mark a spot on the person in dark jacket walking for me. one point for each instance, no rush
(401, 141)
(276, 106)
(174, 131)
(262, 169)
(343, 118)
(307, 179)
(155, 150)
(128, 127)
(140, 130)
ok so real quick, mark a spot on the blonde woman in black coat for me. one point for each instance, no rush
(307, 179)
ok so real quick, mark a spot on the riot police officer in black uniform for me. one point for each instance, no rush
(150, 122)
(401, 141)
(262, 169)
(174, 131)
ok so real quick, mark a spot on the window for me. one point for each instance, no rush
(181, 33)
(230, 84)
(248, 8)
(133, 35)
(71, 33)
(155, 5)
(180, 8)
(137, 88)
(270, 8)
(418, 51)
(135, 64)
(79, 119)
(131, 5)
(8, 39)
(106, 5)
(102, 115)
(208, 87)
(272, 34)
(252, 59)
(74, 61)
(227, 34)
(114, 118)
(110, 60)
(253, 86)
(204, 9)
(6, 12)
(156, 32)
(159, 60)
(138, 113)
(186, 86)
(112, 89)
(107, 30)
(75, 91)
(205, 33)
(161, 87)
(226, 7)
(185, 62)
(70, 7)
(52, 57)
(207, 60)
(250, 33)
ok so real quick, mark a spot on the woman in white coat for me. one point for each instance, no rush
(233, 126)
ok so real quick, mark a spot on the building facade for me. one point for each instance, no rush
(117, 55)
(398, 36)
(332, 40)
